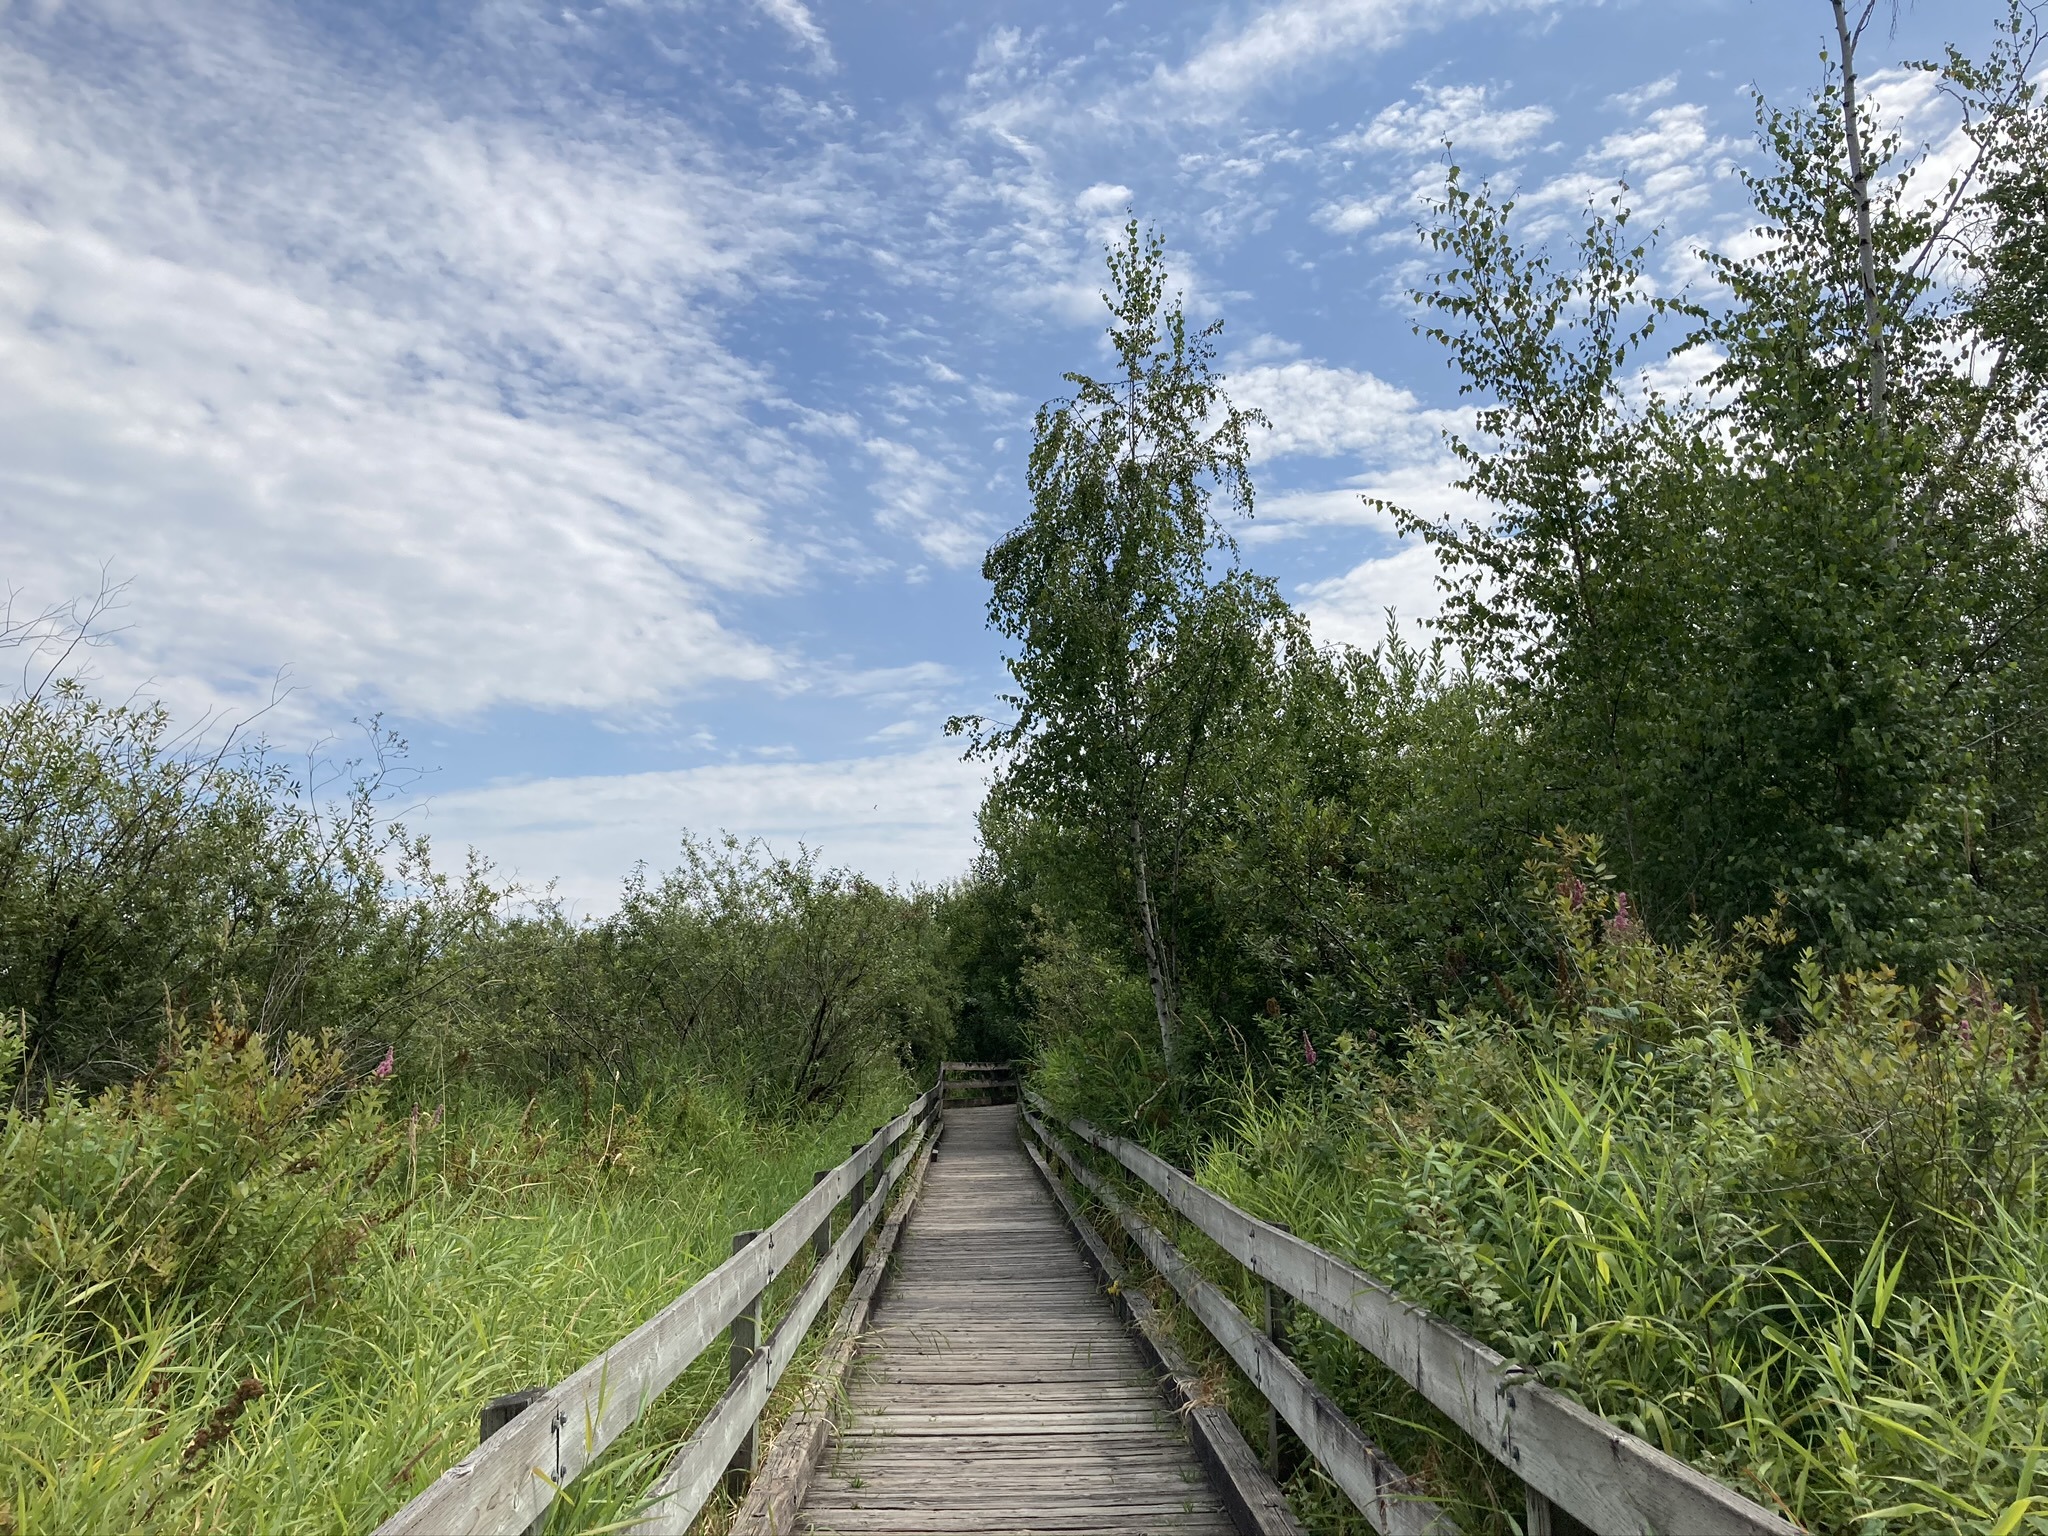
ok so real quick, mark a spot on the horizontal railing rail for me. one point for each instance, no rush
(981, 1081)
(1571, 1460)
(506, 1484)
(1373, 1483)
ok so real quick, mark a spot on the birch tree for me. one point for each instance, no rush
(1135, 635)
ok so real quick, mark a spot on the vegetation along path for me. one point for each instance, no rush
(999, 1392)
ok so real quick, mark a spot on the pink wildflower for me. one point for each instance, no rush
(1575, 893)
(388, 1065)
(1308, 1048)
(1623, 924)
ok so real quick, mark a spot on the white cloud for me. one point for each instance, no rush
(794, 17)
(1350, 216)
(1326, 412)
(1671, 162)
(1288, 38)
(1352, 609)
(907, 818)
(1103, 197)
(1423, 487)
(427, 404)
(1639, 98)
(1463, 114)
(925, 500)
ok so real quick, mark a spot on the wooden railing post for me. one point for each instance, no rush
(745, 1337)
(1584, 1473)
(821, 1240)
(855, 1199)
(1274, 1306)
(1271, 1318)
(529, 1458)
(1543, 1518)
(499, 1412)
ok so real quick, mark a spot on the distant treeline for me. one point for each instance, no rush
(143, 877)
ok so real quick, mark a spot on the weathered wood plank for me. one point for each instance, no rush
(998, 1392)
(1596, 1471)
(506, 1482)
(1257, 1506)
(770, 1506)
(1380, 1490)
(677, 1496)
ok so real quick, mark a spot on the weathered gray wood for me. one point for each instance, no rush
(1380, 1490)
(677, 1497)
(1257, 1506)
(743, 1339)
(821, 1240)
(1273, 1321)
(854, 1201)
(771, 1504)
(1614, 1482)
(505, 1483)
(500, 1411)
(942, 1436)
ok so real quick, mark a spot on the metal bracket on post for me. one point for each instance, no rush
(499, 1412)
(745, 1338)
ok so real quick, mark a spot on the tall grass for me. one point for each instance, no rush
(524, 1240)
(1813, 1263)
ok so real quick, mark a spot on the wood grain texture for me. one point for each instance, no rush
(770, 1508)
(1256, 1505)
(1377, 1488)
(675, 1499)
(997, 1393)
(503, 1485)
(1596, 1471)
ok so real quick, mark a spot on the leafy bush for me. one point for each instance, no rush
(238, 1174)
(138, 865)
(795, 984)
(1812, 1268)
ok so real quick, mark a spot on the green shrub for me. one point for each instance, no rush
(1810, 1265)
(240, 1173)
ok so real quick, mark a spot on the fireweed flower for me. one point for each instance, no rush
(1308, 1048)
(1623, 924)
(388, 1065)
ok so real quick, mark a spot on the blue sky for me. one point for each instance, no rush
(619, 397)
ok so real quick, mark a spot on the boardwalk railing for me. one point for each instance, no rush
(1577, 1467)
(536, 1444)
(978, 1082)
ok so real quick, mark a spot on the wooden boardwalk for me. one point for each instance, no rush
(998, 1391)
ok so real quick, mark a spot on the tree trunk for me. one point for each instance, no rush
(1158, 962)
(1859, 183)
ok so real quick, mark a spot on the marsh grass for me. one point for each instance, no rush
(527, 1238)
(1811, 1261)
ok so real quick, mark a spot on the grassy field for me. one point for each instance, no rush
(527, 1242)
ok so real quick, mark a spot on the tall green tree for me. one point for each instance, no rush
(1136, 636)
(1780, 636)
